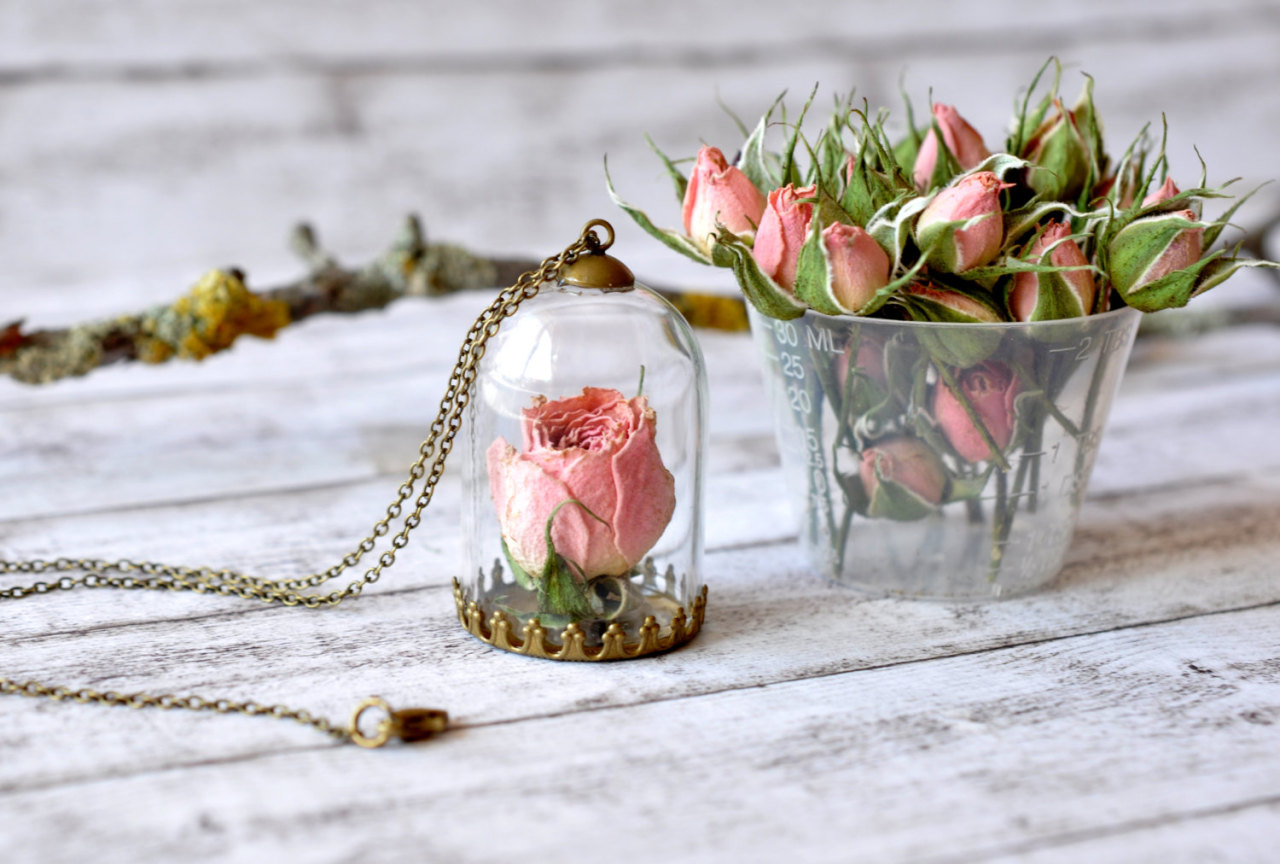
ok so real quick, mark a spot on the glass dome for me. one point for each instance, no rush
(582, 503)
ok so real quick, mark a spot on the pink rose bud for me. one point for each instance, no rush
(783, 230)
(990, 389)
(942, 305)
(597, 449)
(938, 231)
(717, 190)
(858, 266)
(903, 477)
(1149, 249)
(961, 139)
(1167, 190)
(1066, 294)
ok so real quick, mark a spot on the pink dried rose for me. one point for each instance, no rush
(944, 305)
(961, 139)
(1067, 293)
(955, 249)
(859, 267)
(597, 449)
(990, 389)
(1168, 189)
(1147, 250)
(903, 478)
(783, 230)
(717, 190)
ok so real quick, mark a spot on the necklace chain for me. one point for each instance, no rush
(150, 575)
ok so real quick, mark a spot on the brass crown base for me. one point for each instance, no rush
(497, 630)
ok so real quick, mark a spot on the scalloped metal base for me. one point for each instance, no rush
(497, 630)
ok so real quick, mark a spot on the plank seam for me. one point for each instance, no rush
(1071, 838)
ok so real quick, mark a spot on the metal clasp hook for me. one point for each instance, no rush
(407, 724)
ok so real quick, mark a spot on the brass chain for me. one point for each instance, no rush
(292, 592)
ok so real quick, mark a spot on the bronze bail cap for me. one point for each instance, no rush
(596, 269)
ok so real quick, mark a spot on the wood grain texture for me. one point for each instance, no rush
(121, 189)
(1020, 747)
(1128, 713)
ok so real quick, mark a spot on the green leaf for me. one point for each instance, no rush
(855, 494)
(737, 121)
(1086, 117)
(1028, 123)
(677, 178)
(968, 488)
(522, 577)
(1019, 265)
(766, 295)
(905, 151)
(894, 501)
(1174, 289)
(755, 159)
(1212, 233)
(562, 584)
(790, 174)
(874, 179)
(999, 164)
(881, 297)
(559, 592)
(1018, 222)
(1222, 269)
(674, 240)
(891, 225)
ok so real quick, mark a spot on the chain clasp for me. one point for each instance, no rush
(407, 724)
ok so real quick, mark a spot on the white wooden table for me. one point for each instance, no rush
(1129, 713)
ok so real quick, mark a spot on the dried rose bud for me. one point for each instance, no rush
(960, 138)
(940, 233)
(1167, 190)
(943, 305)
(990, 389)
(1049, 296)
(858, 266)
(718, 191)
(1151, 250)
(783, 230)
(904, 479)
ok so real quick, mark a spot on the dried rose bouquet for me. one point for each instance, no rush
(988, 398)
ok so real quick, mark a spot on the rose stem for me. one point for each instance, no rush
(844, 431)
(1086, 422)
(1003, 520)
(1063, 420)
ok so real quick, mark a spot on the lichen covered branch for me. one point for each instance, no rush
(221, 307)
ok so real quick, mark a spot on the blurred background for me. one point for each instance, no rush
(143, 142)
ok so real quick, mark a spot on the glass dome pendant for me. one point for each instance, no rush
(583, 483)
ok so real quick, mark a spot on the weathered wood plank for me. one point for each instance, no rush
(1238, 831)
(297, 434)
(960, 759)
(1137, 560)
(207, 172)
(223, 34)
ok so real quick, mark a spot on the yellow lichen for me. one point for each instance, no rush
(218, 310)
(153, 350)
